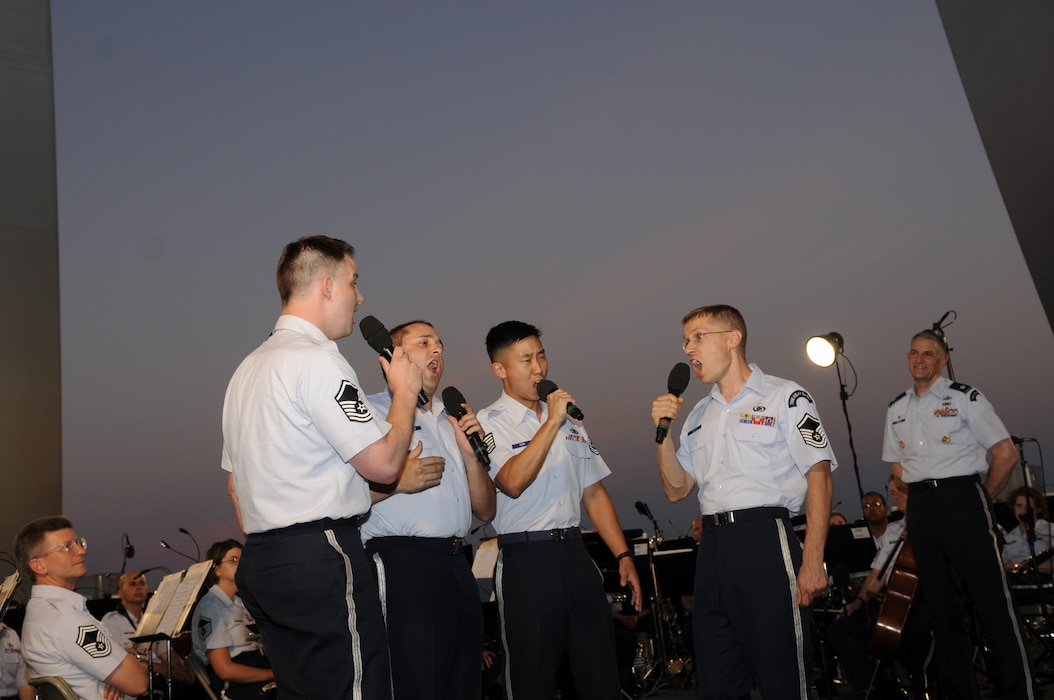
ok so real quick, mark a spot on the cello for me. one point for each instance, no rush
(901, 593)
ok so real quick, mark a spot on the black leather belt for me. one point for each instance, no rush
(930, 484)
(314, 526)
(744, 516)
(558, 534)
(440, 545)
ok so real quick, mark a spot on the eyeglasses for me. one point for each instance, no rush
(66, 547)
(698, 338)
(874, 504)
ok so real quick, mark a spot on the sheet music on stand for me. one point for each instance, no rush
(6, 590)
(170, 606)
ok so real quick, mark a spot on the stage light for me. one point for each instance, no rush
(823, 349)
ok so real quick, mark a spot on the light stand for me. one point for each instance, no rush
(824, 351)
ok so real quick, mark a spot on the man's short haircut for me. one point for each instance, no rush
(128, 578)
(399, 331)
(933, 335)
(31, 536)
(304, 260)
(723, 314)
(507, 334)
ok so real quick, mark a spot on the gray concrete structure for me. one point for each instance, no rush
(30, 360)
(1005, 56)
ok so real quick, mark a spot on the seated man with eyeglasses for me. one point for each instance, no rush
(59, 636)
(876, 514)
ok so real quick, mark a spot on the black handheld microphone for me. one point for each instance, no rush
(452, 399)
(167, 546)
(196, 547)
(678, 381)
(380, 340)
(1021, 440)
(643, 509)
(546, 387)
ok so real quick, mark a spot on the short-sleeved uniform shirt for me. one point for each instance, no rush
(554, 498)
(755, 450)
(13, 673)
(61, 638)
(220, 622)
(944, 433)
(442, 511)
(293, 415)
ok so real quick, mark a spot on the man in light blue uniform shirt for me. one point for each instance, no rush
(59, 635)
(550, 594)
(758, 452)
(415, 533)
(945, 441)
(300, 441)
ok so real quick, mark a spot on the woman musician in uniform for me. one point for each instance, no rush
(237, 665)
(1018, 552)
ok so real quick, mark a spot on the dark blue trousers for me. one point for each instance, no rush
(551, 599)
(313, 596)
(435, 621)
(952, 532)
(747, 623)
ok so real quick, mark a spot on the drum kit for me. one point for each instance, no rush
(666, 569)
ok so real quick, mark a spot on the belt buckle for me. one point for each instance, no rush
(725, 518)
(931, 484)
(458, 545)
(558, 534)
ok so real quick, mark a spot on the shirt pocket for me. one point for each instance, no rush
(754, 444)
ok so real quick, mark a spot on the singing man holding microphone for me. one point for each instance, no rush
(550, 597)
(757, 450)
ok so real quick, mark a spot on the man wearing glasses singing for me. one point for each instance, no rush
(759, 454)
(59, 636)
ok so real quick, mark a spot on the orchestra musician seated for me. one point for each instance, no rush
(1018, 550)
(850, 634)
(222, 638)
(124, 620)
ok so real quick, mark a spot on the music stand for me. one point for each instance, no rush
(166, 614)
(850, 546)
(6, 590)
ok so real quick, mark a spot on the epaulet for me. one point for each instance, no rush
(902, 395)
(959, 386)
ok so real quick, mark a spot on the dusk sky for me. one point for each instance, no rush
(597, 169)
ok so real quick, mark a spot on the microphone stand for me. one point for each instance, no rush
(196, 547)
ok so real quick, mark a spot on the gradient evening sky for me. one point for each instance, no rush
(595, 168)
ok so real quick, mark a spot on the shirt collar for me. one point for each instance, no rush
(755, 382)
(939, 388)
(288, 322)
(74, 598)
(521, 412)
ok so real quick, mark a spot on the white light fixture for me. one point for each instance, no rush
(823, 349)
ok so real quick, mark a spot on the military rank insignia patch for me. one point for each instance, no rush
(812, 431)
(352, 404)
(91, 640)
